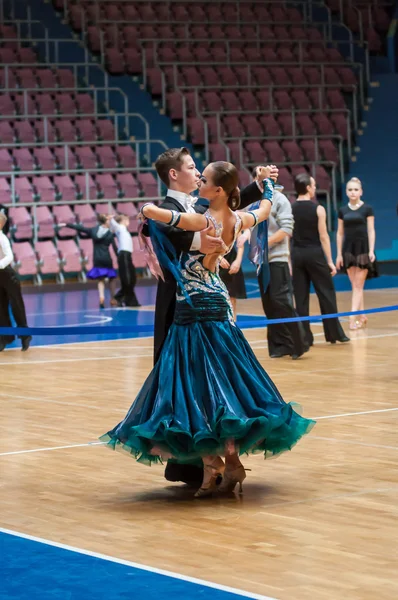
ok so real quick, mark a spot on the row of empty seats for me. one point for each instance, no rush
(49, 158)
(254, 100)
(366, 17)
(69, 188)
(122, 35)
(36, 77)
(47, 219)
(66, 257)
(282, 126)
(9, 55)
(45, 103)
(56, 130)
(250, 75)
(180, 11)
(130, 59)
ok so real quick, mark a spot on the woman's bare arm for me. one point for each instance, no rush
(339, 243)
(325, 239)
(187, 221)
(371, 237)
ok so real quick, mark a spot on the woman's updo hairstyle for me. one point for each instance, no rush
(355, 180)
(226, 176)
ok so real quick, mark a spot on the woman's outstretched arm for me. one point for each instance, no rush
(254, 217)
(187, 221)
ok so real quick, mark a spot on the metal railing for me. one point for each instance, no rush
(293, 113)
(259, 44)
(75, 144)
(11, 176)
(96, 92)
(271, 109)
(23, 24)
(76, 117)
(52, 48)
(251, 78)
(80, 70)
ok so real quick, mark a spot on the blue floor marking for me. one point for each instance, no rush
(33, 570)
(80, 307)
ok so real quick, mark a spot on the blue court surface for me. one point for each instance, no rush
(33, 569)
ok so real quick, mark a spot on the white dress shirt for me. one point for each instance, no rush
(123, 236)
(6, 255)
(187, 202)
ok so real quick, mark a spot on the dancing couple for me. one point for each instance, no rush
(207, 399)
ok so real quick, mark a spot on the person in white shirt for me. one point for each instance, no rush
(10, 292)
(127, 274)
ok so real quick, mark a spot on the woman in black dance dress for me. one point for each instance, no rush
(355, 246)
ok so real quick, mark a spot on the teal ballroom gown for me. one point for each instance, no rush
(207, 387)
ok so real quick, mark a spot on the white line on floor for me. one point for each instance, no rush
(52, 448)
(353, 442)
(94, 443)
(354, 414)
(134, 565)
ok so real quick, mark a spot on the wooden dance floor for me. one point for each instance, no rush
(319, 523)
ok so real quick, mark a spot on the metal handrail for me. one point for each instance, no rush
(77, 117)
(270, 89)
(260, 43)
(48, 42)
(293, 112)
(295, 138)
(19, 23)
(85, 90)
(12, 176)
(354, 87)
(87, 66)
(74, 144)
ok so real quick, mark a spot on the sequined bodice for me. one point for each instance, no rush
(208, 295)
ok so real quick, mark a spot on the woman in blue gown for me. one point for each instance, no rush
(208, 397)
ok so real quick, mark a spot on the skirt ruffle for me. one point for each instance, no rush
(207, 389)
(101, 273)
(356, 254)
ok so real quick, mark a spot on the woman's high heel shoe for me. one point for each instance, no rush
(355, 323)
(231, 478)
(210, 486)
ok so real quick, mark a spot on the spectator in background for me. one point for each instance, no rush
(285, 339)
(128, 277)
(10, 292)
(103, 267)
(4, 210)
(312, 260)
(356, 239)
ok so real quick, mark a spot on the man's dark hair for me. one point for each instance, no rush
(171, 159)
(301, 182)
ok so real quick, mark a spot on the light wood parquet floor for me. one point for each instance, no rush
(319, 523)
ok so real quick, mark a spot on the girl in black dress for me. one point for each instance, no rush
(232, 275)
(355, 246)
(102, 261)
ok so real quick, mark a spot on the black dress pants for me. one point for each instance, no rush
(310, 266)
(11, 296)
(278, 303)
(128, 279)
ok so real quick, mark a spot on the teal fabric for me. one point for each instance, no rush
(207, 387)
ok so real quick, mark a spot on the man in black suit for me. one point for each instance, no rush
(177, 170)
